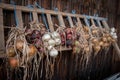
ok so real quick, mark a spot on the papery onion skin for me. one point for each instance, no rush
(11, 52)
(46, 37)
(57, 41)
(51, 42)
(32, 50)
(53, 53)
(13, 62)
(55, 35)
(19, 44)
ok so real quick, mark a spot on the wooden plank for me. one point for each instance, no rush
(86, 22)
(105, 25)
(2, 43)
(35, 16)
(19, 17)
(50, 23)
(26, 9)
(70, 21)
(92, 21)
(61, 21)
(79, 22)
(98, 21)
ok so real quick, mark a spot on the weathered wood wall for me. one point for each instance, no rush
(104, 8)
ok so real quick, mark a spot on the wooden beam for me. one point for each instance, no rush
(86, 22)
(61, 21)
(35, 16)
(2, 43)
(79, 22)
(105, 25)
(70, 21)
(19, 17)
(92, 21)
(50, 23)
(99, 24)
(26, 9)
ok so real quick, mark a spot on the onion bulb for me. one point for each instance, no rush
(109, 38)
(113, 29)
(19, 44)
(76, 50)
(87, 49)
(46, 37)
(55, 35)
(11, 52)
(97, 48)
(104, 39)
(94, 31)
(32, 50)
(49, 47)
(86, 29)
(13, 62)
(53, 52)
(77, 43)
(101, 43)
(86, 36)
(51, 42)
(115, 37)
(94, 40)
(111, 33)
(57, 41)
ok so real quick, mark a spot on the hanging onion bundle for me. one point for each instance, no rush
(27, 46)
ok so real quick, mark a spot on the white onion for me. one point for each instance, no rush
(53, 52)
(114, 34)
(46, 37)
(113, 29)
(49, 47)
(55, 35)
(111, 33)
(57, 41)
(51, 42)
(115, 37)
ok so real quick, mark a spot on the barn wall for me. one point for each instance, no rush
(105, 8)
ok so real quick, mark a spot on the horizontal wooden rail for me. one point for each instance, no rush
(26, 9)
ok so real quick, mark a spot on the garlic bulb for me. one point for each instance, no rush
(51, 42)
(46, 37)
(55, 35)
(57, 41)
(53, 52)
